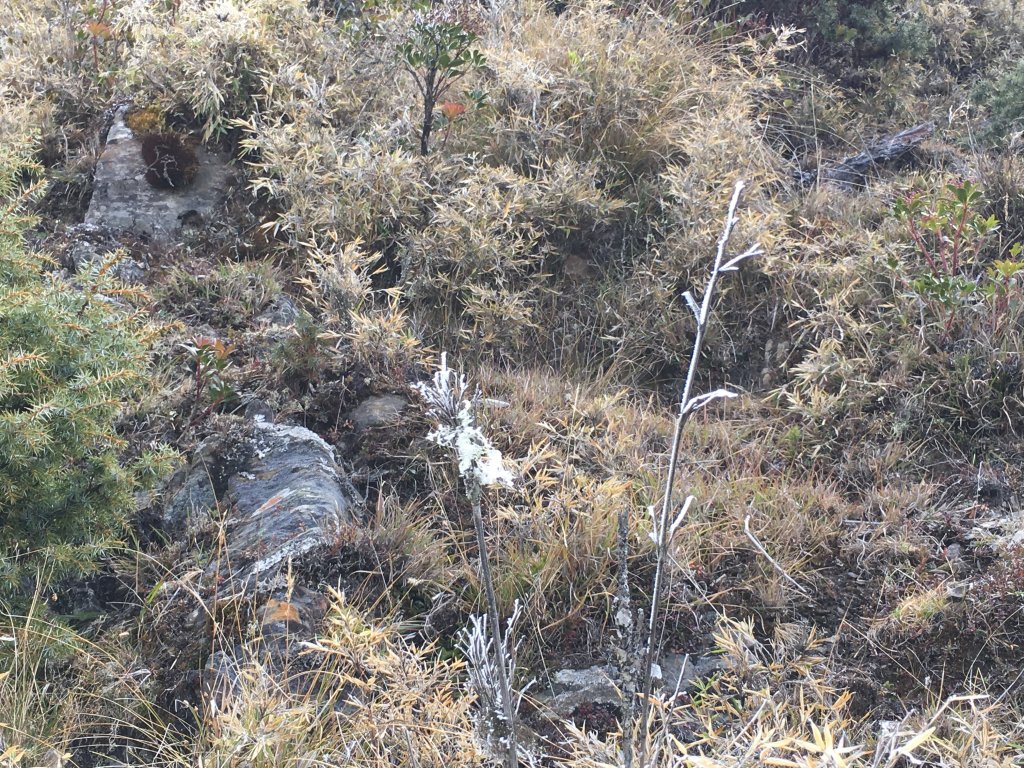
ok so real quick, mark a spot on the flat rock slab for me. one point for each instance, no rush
(122, 199)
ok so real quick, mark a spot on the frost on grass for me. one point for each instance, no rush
(480, 463)
(477, 644)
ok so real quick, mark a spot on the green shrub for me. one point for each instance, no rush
(842, 33)
(69, 356)
(1004, 97)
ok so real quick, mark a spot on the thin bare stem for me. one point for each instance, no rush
(626, 634)
(760, 548)
(475, 492)
(687, 405)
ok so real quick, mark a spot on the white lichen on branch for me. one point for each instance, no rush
(480, 463)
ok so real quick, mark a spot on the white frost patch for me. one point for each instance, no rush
(479, 460)
(290, 434)
(480, 463)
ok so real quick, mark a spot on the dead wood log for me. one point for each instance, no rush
(888, 149)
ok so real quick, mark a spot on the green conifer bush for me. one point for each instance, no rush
(1003, 94)
(70, 355)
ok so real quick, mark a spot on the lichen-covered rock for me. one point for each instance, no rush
(122, 199)
(194, 490)
(283, 503)
(571, 689)
(91, 247)
(282, 311)
(281, 496)
(289, 503)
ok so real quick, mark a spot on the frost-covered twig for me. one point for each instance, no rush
(480, 466)
(667, 524)
(483, 660)
(760, 548)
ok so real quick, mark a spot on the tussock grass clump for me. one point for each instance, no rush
(780, 702)
(643, 122)
(227, 296)
(360, 695)
(582, 457)
(370, 698)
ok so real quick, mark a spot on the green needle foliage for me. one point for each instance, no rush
(70, 354)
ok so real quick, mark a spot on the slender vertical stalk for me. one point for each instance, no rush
(429, 100)
(475, 492)
(626, 630)
(686, 407)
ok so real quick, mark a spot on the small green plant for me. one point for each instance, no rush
(303, 356)
(1003, 289)
(228, 296)
(438, 53)
(209, 360)
(948, 233)
(98, 33)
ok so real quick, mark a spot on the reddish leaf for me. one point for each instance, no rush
(99, 29)
(452, 109)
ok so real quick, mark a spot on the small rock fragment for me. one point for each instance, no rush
(378, 411)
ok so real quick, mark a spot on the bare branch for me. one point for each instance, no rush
(687, 406)
(760, 548)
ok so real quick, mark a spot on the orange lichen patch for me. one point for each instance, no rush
(99, 29)
(280, 610)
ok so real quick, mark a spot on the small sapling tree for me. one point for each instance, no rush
(438, 53)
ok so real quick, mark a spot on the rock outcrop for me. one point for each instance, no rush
(282, 498)
(281, 503)
(123, 201)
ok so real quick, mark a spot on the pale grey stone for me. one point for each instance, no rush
(569, 689)
(281, 496)
(378, 411)
(282, 311)
(123, 201)
(92, 246)
(283, 503)
(572, 688)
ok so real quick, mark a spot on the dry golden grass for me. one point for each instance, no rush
(546, 242)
